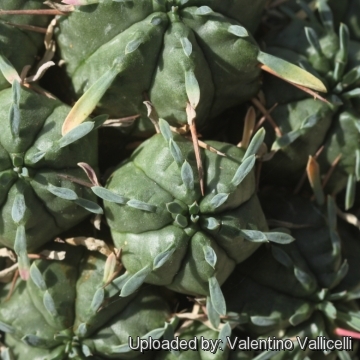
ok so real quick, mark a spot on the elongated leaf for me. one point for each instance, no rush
(254, 236)
(163, 257)
(218, 200)
(212, 314)
(223, 334)
(108, 195)
(243, 170)
(291, 72)
(15, 120)
(282, 257)
(210, 256)
(8, 70)
(313, 39)
(37, 277)
(21, 252)
(264, 320)
(286, 139)
(255, 143)
(98, 299)
(238, 30)
(135, 281)
(187, 46)
(350, 192)
(49, 304)
(89, 206)
(140, 205)
(328, 308)
(192, 88)
(63, 193)
(176, 152)
(87, 103)
(165, 130)
(187, 176)
(76, 133)
(279, 238)
(305, 279)
(18, 208)
(216, 296)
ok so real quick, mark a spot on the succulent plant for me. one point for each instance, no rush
(176, 51)
(16, 44)
(169, 233)
(69, 310)
(37, 199)
(306, 288)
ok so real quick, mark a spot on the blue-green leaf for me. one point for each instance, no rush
(76, 133)
(108, 195)
(255, 143)
(210, 255)
(216, 296)
(63, 193)
(218, 200)
(176, 152)
(238, 30)
(212, 314)
(243, 170)
(98, 299)
(37, 277)
(187, 176)
(135, 281)
(203, 10)
(49, 304)
(18, 208)
(187, 46)
(89, 206)
(140, 205)
(192, 88)
(163, 257)
(165, 130)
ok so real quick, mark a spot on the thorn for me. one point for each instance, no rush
(303, 177)
(267, 115)
(302, 88)
(191, 115)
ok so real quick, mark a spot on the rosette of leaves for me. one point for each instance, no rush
(169, 233)
(175, 51)
(305, 123)
(70, 310)
(18, 45)
(306, 288)
(37, 199)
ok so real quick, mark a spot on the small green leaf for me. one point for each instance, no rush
(279, 238)
(328, 308)
(18, 208)
(243, 170)
(187, 176)
(133, 45)
(287, 139)
(8, 70)
(6, 328)
(119, 282)
(49, 304)
(212, 314)
(16, 92)
(165, 130)
(15, 120)
(301, 314)
(20, 240)
(76, 133)
(203, 10)
(181, 221)
(255, 143)
(86, 351)
(238, 30)
(313, 39)
(135, 281)
(108, 195)
(282, 257)
(350, 192)
(37, 157)
(63, 193)
(211, 223)
(291, 72)
(355, 93)
(37, 277)
(218, 200)
(140, 205)
(163, 257)
(82, 330)
(224, 333)
(187, 46)
(89, 206)
(254, 236)
(351, 77)
(192, 88)
(194, 208)
(156, 20)
(176, 152)
(305, 279)
(98, 299)
(174, 208)
(216, 296)
(264, 320)
(210, 255)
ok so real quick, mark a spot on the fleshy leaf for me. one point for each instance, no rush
(187, 176)
(181, 220)
(212, 314)
(135, 281)
(264, 320)
(49, 304)
(37, 277)
(76, 133)
(63, 193)
(98, 299)
(313, 39)
(174, 208)
(224, 333)
(350, 192)
(89, 206)
(165, 130)
(21, 252)
(82, 330)
(291, 72)
(211, 223)
(18, 208)
(6, 328)
(192, 88)
(210, 256)
(108, 195)
(163, 257)
(238, 30)
(279, 238)
(8, 70)
(282, 257)
(14, 120)
(219, 199)
(216, 296)
(176, 152)
(133, 45)
(255, 143)
(140, 205)
(203, 10)
(187, 46)
(254, 236)
(243, 170)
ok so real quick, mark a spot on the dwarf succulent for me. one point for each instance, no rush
(176, 51)
(67, 310)
(302, 289)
